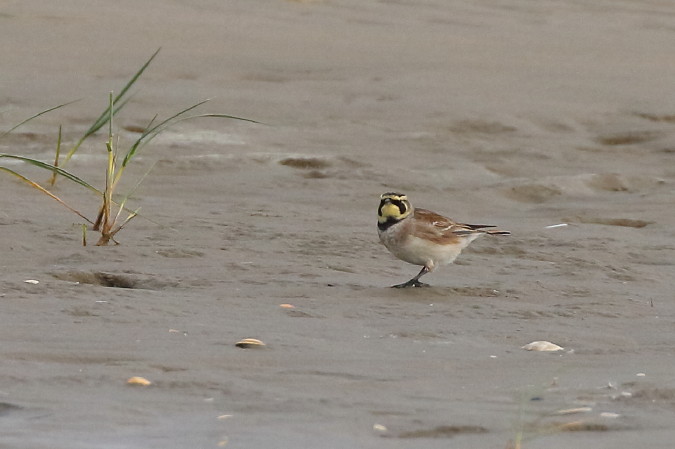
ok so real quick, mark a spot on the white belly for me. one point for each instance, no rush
(423, 252)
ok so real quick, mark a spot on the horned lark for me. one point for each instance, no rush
(422, 237)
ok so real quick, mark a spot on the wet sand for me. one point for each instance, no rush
(523, 115)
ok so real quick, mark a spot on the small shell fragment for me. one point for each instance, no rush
(542, 346)
(380, 427)
(287, 306)
(249, 343)
(32, 281)
(572, 411)
(141, 381)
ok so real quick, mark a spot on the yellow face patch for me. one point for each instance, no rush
(393, 207)
(389, 210)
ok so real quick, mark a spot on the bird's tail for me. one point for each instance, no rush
(497, 232)
(481, 228)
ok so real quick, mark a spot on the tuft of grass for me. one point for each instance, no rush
(108, 223)
(110, 218)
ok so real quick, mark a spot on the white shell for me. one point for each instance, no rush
(137, 380)
(249, 343)
(560, 225)
(542, 346)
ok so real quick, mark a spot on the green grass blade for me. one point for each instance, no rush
(101, 121)
(131, 192)
(36, 116)
(61, 172)
(52, 180)
(224, 116)
(37, 186)
(84, 234)
(151, 133)
(53, 168)
(126, 220)
(105, 115)
(154, 132)
(136, 76)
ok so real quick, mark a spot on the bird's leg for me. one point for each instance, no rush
(415, 282)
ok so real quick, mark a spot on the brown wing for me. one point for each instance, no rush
(442, 229)
(438, 228)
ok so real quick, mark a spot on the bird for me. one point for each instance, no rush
(422, 237)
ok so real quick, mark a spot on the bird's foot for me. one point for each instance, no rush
(410, 283)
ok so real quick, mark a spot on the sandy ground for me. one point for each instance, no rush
(522, 114)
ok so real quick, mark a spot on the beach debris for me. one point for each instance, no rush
(627, 222)
(581, 426)
(380, 428)
(559, 225)
(622, 395)
(249, 343)
(287, 306)
(544, 346)
(442, 431)
(32, 281)
(572, 411)
(640, 374)
(140, 381)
